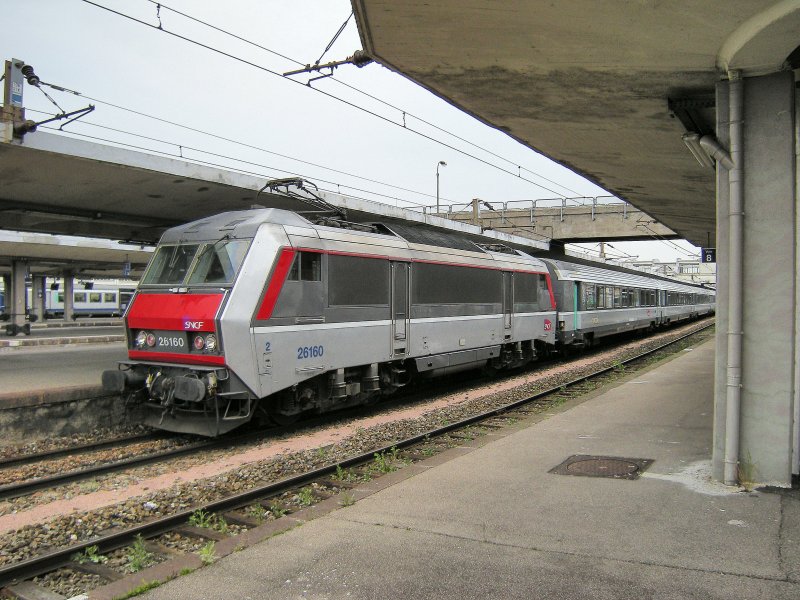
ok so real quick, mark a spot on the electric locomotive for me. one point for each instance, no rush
(265, 314)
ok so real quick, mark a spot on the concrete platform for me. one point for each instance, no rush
(56, 390)
(492, 522)
(61, 333)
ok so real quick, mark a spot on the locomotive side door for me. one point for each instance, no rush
(399, 308)
(508, 301)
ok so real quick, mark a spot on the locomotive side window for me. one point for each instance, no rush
(545, 303)
(445, 284)
(354, 281)
(307, 266)
(526, 292)
(218, 263)
(170, 264)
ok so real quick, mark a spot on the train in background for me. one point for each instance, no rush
(90, 299)
(264, 314)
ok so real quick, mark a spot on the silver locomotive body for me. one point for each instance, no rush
(264, 314)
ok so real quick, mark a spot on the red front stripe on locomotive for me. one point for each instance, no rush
(182, 312)
(173, 322)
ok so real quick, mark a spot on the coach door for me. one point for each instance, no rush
(508, 301)
(400, 316)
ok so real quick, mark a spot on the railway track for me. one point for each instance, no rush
(230, 507)
(27, 459)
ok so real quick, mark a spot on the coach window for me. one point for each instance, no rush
(79, 297)
(616, 297)
(307, 266)
(109, 297)
(95, 297)
(60, 297)
(609, 297)
(624, 298)
(588, 299)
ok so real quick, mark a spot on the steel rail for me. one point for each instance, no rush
(23, 488)
(39, 565)
(26, 459)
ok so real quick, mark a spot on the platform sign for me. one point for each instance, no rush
(709, 255)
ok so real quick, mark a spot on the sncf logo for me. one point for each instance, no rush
(193, 324)
(548, 325)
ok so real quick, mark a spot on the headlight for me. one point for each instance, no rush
(141, 339)
(199, 343)
(211, 342)
(150, 340)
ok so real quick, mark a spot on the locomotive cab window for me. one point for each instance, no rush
(307, 266)
(170, 264)
(219, 262)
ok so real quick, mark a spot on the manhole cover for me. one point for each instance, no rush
(613, 467)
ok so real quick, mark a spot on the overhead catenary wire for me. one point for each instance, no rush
(660, 238)
(278, 170)
(403, 112)
(318, 90)
(237, 142)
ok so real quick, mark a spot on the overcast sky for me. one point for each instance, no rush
(113, 60)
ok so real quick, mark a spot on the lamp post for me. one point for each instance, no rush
(441, 163)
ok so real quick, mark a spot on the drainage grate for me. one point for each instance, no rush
(613, 467)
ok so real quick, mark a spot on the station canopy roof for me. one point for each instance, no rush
(607, 88)
(60, 185)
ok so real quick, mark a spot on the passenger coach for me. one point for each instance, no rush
(595, 301)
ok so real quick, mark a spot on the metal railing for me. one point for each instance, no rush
(501, 209)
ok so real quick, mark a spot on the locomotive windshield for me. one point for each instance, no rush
(194, 264)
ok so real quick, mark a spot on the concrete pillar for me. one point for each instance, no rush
(769, 272)
(796, 433)
(17, 308)
(69, 285)
(37, 297)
